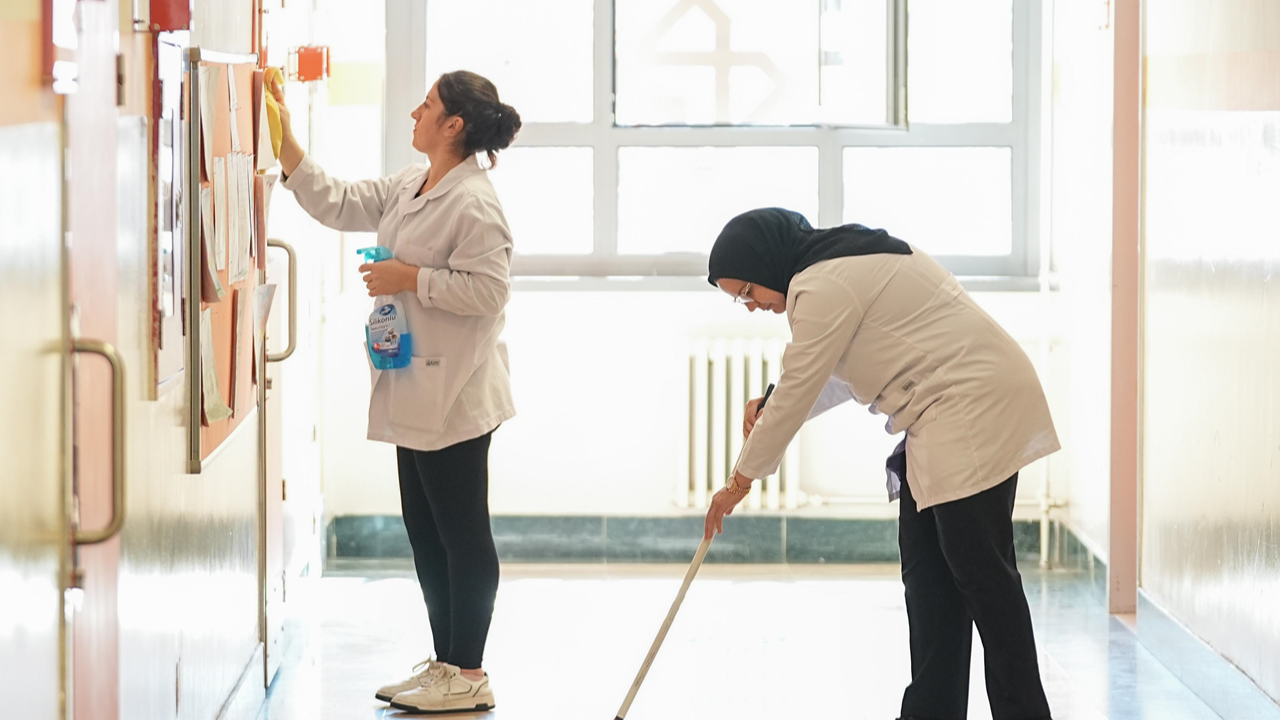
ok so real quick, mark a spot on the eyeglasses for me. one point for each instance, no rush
(741, 298)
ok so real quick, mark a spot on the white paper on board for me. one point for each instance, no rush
(233, 227)
(234, 106)
(220, 208)
(210, 263)
(215, 410)
(245, 218)
(209, 76)
(268, 183)
(262, 297)
(236, 244)
(247, 174)
(206, 216)
(246, 214)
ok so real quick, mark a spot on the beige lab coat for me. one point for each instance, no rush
(457, 387)
(899, 334)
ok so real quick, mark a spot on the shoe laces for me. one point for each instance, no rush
(428, 671)
(444, 673)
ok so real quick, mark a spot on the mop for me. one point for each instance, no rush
(675, 605)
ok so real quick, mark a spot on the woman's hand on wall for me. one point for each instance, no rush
(389, 277)
(291, 152)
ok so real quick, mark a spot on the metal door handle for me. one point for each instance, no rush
(118, 402)
(293, 301)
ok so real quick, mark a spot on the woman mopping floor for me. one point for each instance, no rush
(877, 321)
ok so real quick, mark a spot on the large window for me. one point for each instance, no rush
(650, 123)
(746, 62)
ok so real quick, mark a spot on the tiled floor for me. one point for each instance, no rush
(752, 643)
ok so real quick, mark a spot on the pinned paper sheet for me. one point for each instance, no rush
(242, 250)
(234, 105)
(246, 213)
(233, 220)
(213, 408)
(209, 77)
(220, 212)
(250, 221)
(262, 297)
(211, 290)
(206, 219)
(242, 222)
(238, 301)
(237, 221)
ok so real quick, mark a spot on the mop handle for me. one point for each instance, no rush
(675, 605)
(666, 625)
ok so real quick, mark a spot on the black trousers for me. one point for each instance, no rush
(444, 495)
(959, 569)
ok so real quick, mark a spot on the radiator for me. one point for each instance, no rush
(724, 374)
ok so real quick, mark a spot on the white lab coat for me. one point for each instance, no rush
(457, 388)
(899, 333)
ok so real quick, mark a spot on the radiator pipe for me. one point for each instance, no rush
(1045, 271)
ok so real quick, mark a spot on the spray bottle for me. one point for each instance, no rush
(386, 334)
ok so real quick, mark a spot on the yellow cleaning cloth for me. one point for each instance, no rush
(269, 80)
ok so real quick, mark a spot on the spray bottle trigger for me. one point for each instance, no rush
(375, 254)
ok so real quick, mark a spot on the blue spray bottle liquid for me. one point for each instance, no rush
(386, 334)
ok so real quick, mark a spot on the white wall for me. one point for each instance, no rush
(1210, 551)
(223, 26)
(1081, 232)
(601, 386)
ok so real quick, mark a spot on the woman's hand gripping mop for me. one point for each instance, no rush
(675, 605)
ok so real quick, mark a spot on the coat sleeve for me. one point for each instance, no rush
(477, 276)
(823, 320)
(338, 204)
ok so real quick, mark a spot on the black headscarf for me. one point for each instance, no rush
(770, 246)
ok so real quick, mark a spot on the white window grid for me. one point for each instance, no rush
(1019, 270)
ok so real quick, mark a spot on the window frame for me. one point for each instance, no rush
(1019, 270)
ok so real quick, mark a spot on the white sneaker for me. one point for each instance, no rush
(449, 692)
(423, 674)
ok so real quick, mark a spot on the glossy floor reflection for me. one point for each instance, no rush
(751, 643)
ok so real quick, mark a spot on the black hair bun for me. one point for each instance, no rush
(505, 127)
(491, 125)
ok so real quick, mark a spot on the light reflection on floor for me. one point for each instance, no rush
(751, 643)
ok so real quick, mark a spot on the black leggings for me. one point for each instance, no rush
(444, 495)
(959, 569)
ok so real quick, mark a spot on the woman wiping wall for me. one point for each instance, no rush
(450, 270)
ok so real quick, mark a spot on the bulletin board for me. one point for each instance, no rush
(225, 245)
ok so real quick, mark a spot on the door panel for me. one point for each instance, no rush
(91, 119)
(33, 530)
(34, 545)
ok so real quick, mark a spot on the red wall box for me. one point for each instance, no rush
(309, 63)
(170, 15)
